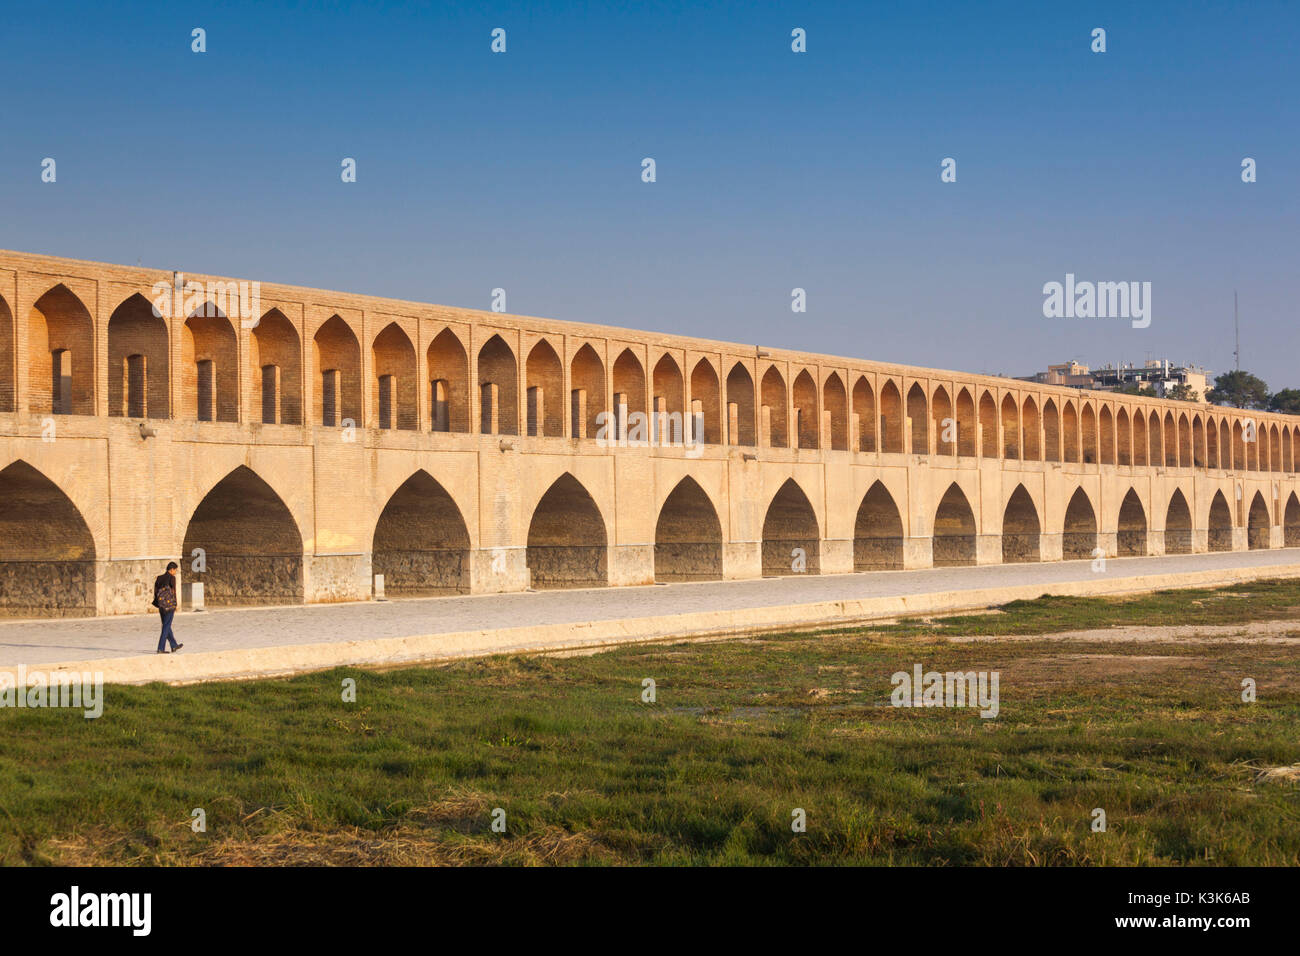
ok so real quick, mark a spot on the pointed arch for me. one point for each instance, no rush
(210, 366)
(706, 398)
(8, 358)
(1139, 437)
(1291, 522)
(791, 538)
(1172, 443)
(688, 536)
(392, 387)
(60, 355)
(1178, 525)
(864, 406)
(544, 378)
(1079, 533)
(1070, 432)
(47, 553)
(1257, 524)
(1088, 434)
(806, 417)
(251, 545)
(336, 356)
(1155, 436)
(1220, 524)
(1212, 445)
(275, 371)
(1021, 529)
(1124, 438)
(420, 544)
(1131, 535)
(773, 412)
(989, 425)
(740, 406)
(835, 402)
(669, 388)
(449, 396)
(878, 532)
(587, 380)
(498, 384)
(891, 418)
(918, 412)
(944, 422)
(1197, 444)
(1107, 423)
(1031, 430)
(630, 393)
(966, 432)
(567, 540)
(139, 359)
(954, 530)
(1012, 446)
(1051, 431)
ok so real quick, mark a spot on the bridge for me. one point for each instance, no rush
(288, 445)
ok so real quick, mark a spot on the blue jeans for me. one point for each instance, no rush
(166, 629)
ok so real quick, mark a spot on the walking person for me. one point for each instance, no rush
(164, 599)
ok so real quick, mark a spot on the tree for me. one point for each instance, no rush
(1130, 388)
(1287, 400)
(1238, 389)
(1182, 392)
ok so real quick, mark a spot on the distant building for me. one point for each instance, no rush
(1158, 376)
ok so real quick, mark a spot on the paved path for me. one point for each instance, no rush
(44, 642)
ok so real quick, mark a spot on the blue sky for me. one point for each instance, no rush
(775, 170)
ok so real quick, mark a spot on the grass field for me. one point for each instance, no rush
(743, 732)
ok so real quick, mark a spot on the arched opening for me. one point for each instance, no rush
(669, 393)
(1131, 539)
(336, 357)
(1155, 447)
(544, 375)
(248, 544)
(1198, 444)
(965, 424)
(945, 425)
(629, 396)
(587, 383)
(1107, 436)
(60, 355)
(1088, 435)
(139, 356)
(1178, 525)
(918, 413)
(891, 418)
(954, 530)
(392, 389)
(1124, 438)
(449, 384)
(805, 410)
(1220, 524)
(1212, 445)
(1051, 432)
(421, 545)
(688, 536)
(1031, 441)
(740, 406)
(498, 384)
(8, 358)
(1225, 445)
(1079, 533)
(864, 406)
(705, 401)
(989, 425)
(275, 354)
(1011, 444)
(774, 408)
(1070, 427)
(878, 532)
(1257, 524)
(1287, 444)
(791, 540)
(1139, 438)
(1174, 443)
(836, 403)
(1291, 523)
(47, 555)
(566, 539)
(210, 360)
(1021, 530)
(1274, 449)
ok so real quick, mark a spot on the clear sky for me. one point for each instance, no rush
(775, 170)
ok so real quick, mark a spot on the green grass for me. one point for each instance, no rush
(742, 733)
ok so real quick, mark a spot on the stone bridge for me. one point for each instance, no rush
(288, 445)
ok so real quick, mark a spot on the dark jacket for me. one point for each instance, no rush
(163, 580)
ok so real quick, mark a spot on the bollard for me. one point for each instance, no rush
(196, 596)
